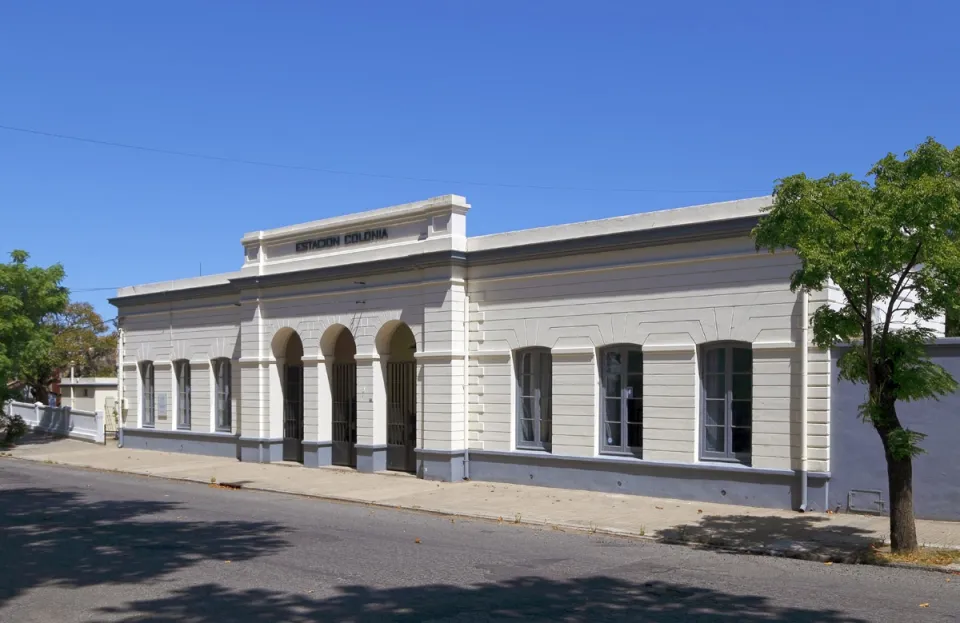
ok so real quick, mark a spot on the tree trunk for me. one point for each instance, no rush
(903, 525)
(40, 393)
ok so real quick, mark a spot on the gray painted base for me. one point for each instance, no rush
(255, 450)
(697, 482)
(190, 442)
(317, 453)
(445, 465)
(371, 458)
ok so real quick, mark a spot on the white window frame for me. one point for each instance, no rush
(539, 395)
(728, 454)
(625, 351)
(148, 386)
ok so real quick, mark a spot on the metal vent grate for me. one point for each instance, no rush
(866, 501)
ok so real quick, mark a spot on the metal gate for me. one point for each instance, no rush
(401, 416)
(293, 414)
(344, 383)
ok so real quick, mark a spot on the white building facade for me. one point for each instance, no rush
(656, 354)
(89, 393)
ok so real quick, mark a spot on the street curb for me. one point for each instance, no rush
(852, 558)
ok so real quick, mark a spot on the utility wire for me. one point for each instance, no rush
(296, 167)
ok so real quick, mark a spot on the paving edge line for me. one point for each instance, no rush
(852, 558)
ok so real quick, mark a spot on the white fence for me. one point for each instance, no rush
(73, 423)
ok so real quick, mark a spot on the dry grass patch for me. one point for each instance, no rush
(928, 556)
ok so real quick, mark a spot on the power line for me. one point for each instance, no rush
(296, 167)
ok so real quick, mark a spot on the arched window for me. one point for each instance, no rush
(222, 385)
(148, 413)
(181, 369)
(534, 398)
(727, 402)
(621, 409)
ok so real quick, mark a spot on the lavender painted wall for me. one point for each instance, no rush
(857, 462)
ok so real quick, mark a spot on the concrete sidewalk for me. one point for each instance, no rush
(816, 536)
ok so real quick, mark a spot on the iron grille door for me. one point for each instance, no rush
(401, 416)
(293, 415)
(345, 414)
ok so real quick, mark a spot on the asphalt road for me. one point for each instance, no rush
(87, 546)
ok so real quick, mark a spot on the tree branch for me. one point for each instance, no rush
(853, 304)
(897, 291)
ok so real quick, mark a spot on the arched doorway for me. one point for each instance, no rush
(398, 349)
(288, 351)
(343, 391)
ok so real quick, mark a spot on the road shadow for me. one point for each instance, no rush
(59, 538)
(801, 535)
(590, 599)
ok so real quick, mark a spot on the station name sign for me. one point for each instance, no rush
(356, 237)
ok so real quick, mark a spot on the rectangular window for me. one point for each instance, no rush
(621, 374)
(727, 403)
(182, 370)
(222, 382)
(534, 398)
(148, 417)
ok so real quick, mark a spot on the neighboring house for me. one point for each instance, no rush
(655, 354)
(25, 392)
(91, 394)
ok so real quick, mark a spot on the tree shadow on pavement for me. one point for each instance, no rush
(590, 599)
(36, 438)
(57, 538)
(800, 535)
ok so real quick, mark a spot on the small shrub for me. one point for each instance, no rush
(13, 428)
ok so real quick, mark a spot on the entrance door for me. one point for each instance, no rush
(345, 414)
(401, 416)
(293, 414)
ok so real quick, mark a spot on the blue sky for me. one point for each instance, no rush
(715, 99)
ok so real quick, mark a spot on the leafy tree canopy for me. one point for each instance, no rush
(29, 296)
(892, 247)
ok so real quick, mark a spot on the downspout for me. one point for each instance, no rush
(466, 381)
(804, 390)
(118, 406)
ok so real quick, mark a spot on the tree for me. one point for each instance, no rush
(952, 328)
(892, 248)
(81, 341)
(29, 295)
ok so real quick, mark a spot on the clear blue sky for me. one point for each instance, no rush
(716, 97)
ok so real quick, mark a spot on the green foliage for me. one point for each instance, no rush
(82, 339)
(13, 428)
(891, 246)
(903, 443)
(29, 296)
(953, 323)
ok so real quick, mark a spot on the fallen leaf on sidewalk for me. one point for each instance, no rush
(699, 511)
(416, 541)
(924, 605)
(828, 563)
(659, 508)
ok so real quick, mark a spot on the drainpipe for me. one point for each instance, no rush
(804, 380)
(466, 381)
(118, 406)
